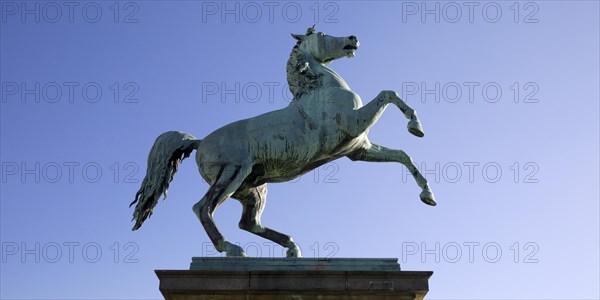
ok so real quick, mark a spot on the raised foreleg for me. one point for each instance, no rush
(253, 201)
(369, 114)
(373, 152)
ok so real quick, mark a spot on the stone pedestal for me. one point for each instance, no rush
(218, 278)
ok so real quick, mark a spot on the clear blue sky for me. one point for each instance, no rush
(507, 94)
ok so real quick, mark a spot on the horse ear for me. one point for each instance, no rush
(298, 37)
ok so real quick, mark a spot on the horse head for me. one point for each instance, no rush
(325, 48)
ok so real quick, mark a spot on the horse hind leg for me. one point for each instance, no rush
(253, 201)
(228, 180)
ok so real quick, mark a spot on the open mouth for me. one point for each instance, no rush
(349, 49)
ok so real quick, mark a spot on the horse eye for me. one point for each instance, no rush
(321, 34)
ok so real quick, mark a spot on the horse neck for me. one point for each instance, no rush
(328, 76)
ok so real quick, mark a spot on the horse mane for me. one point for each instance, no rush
(301, 79)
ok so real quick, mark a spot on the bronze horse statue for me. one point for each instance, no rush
(325, 121)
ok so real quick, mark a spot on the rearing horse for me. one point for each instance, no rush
(325, 121)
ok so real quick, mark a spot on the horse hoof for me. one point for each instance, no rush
(428, 198)
(235, 251)
(293, 253)
(236, 254)
(414, 127)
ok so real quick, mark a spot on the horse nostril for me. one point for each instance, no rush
(352, 37)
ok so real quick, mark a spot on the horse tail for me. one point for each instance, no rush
(169, 149)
